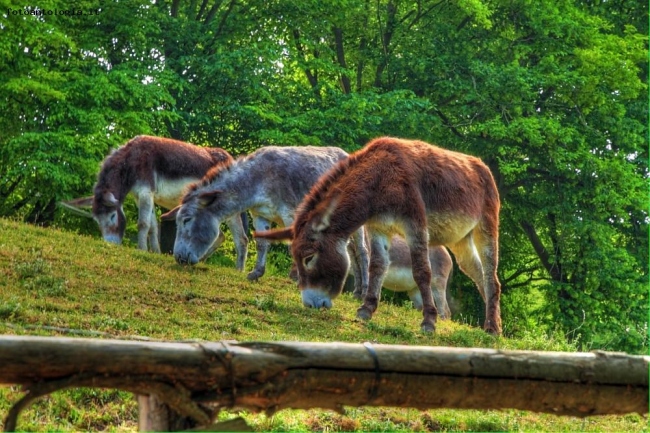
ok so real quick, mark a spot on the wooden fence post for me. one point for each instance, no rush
(155, 416)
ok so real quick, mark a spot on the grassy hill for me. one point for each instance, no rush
(55, 283)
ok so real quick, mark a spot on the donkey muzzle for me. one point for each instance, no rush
(113, 239)
(315, 298)
(186, 259)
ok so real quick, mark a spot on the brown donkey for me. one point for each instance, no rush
(430, 196)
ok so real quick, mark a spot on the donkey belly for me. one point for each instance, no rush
(169, 192)
(269, 211)
(445, 229)
(386, 225)
(399, 279)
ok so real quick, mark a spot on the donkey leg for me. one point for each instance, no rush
(422, 275)
(145, 211)
(262, 247)
(287, 220)
(154, 243)
(441, 266)
(416, 297)
(438, 290)
(488, 250)
(355, 267)
(379, 262)
(360, 263)
(480, 265)
(469, 261)
(239, 237)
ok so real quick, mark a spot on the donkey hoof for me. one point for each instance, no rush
(253, 275)
(492, 328)
(364, 314)
(493, 331)
(428, 327)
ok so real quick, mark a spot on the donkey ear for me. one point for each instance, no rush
(284, 234)
(108, 199)
(171, 215)
(77, 206)
(322, 221)
(80, 202)
(207, 198)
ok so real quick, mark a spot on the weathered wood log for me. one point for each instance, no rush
(199, 378)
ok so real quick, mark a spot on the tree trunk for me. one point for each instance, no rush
(340, 57)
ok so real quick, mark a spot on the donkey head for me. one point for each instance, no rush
(320, 254)
(197, 227)
(108, 212)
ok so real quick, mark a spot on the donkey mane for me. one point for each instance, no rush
(210, 177)
(322, 186)
(215, 173)
(320, 190)
(115, 170)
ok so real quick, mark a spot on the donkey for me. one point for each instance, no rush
(399, 276)
(270, 183)
(155, 170)
(429, 195)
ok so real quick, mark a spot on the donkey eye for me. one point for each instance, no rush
(309, 260)
(186, 220)
(113, 217)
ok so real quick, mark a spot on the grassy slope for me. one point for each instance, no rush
(53, 278)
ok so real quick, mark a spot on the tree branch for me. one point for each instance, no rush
(174, 8)
(340, 57)
(213, 11)
(448, 124)
(386, 36)
(313, 80)
(542, 252)
(225, 16)
(204, 5)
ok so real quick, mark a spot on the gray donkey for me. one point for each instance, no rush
(270, 183)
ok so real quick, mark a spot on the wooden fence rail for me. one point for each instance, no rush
(197, 379)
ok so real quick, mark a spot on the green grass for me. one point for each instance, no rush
(50, 278)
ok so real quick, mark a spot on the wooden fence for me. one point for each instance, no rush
(197, 379)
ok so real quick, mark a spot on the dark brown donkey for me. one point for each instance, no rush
(155, 170)
(431, 196)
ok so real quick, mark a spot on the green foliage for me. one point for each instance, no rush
(64, 105)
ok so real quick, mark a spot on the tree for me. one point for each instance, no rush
(71, 89)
